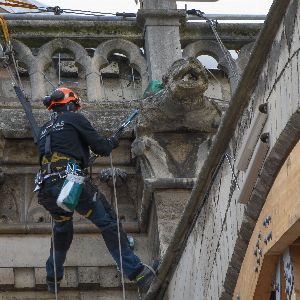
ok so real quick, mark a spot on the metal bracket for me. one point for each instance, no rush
(288, 274)
(107, 176)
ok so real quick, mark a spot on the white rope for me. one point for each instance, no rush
(118, 225)
(11, 75)
(221, 44)
(17, 71)
(223, 48)
(139, 293)
(59, 69)
(54, 260)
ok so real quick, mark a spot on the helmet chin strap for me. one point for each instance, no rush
(71, 106)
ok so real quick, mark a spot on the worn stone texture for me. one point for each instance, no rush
(7, 276)
(169, 206)
(69, 295)
(109, 64)
(86, 250)
(278, 84)
(24, 277)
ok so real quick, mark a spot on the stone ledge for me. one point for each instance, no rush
(75, 278)
(45, 228)
(160, 17)
(103, 294)
(87, 250)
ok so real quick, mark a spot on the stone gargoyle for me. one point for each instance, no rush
(181, 105)
(182, 109)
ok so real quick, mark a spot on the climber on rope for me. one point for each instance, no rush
(64, 144)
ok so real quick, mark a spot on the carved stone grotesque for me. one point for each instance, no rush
(182, 104)
(168, 117)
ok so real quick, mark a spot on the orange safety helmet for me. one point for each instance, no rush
(61, 96)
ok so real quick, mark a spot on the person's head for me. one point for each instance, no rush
(62, 99)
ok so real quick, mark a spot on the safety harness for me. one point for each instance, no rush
(55, 164)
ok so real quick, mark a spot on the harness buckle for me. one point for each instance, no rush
(38, 181)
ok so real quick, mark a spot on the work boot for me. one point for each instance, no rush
(51, 285)
(145, 278)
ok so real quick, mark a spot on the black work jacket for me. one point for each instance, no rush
(72, 134)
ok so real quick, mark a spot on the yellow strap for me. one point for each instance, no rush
(56, 156)
(4, 29)
(16, 3)
(88, 214)
(62, 218)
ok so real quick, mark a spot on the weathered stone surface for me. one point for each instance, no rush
(40, 276)
(70, 279)
(24, 277)
(275, 85)
(88, 276)
(181, 105)
(110, 76)
(7, 276)
(86, 250)
(108, 277)
(169, 206)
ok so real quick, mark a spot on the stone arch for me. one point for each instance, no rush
(127, 48)
(24, 55)
(213, 49)
(45, 54)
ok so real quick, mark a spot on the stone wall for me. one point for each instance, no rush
(105, 63)
(214, 251)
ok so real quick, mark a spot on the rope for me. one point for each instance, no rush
(213, 28)
(54, 260)
(223, 48)
(19, 4)
(59, 69)
(56, 10)
(16, 70)
(4, 30)
(48, 80)
(11, 53)
(11, 75)
(139, 293)
(118, 225)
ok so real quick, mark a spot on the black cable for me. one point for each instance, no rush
(87, 11)
(57, 10)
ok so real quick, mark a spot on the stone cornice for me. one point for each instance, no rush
(91, 32)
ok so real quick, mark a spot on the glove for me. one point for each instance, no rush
(114, 142)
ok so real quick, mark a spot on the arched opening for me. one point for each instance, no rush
(219, 86)
(208, 61)
(63, 70)
(119, 79)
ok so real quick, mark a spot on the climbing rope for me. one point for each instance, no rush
(54, 259)
(118, 226)
(212, 25)
(15, 3)
(10, 52)
(58, 11)
(4, 30)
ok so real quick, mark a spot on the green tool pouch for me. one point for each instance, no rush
(69, 195)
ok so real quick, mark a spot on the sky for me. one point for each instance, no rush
(219, 7)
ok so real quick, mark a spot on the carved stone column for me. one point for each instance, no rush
(160, 21)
